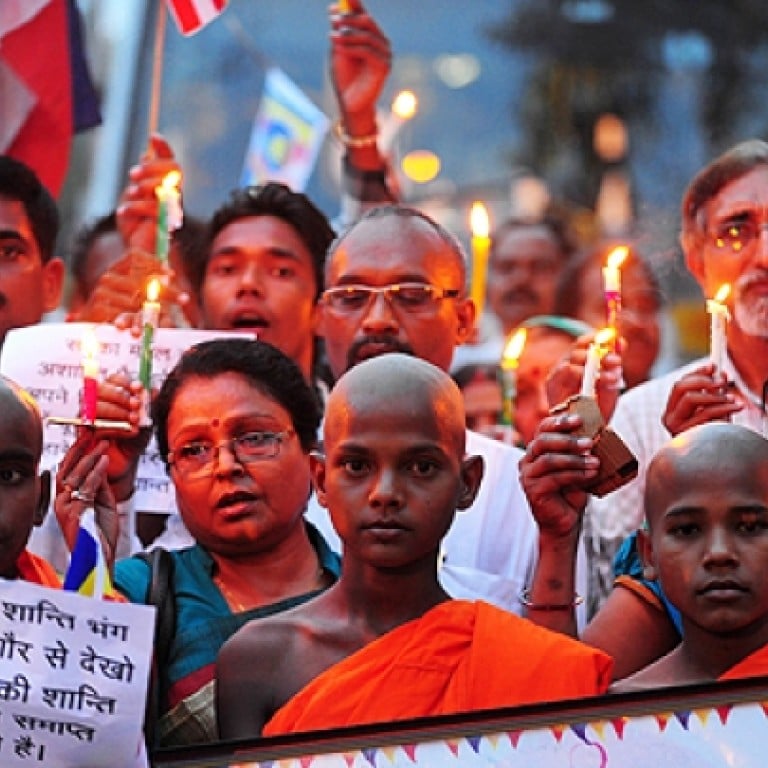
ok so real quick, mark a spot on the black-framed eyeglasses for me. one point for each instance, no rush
(737, 233)
(409, 297)
(196, 459)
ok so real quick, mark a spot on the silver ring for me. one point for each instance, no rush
(78, 495)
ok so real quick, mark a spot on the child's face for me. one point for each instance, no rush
(20, 484)
(709, 539)
(393, 476)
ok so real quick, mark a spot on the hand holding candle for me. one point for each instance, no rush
(481, 244)
(169, 213)
(594, 357)
(719, 316)
(612, 283)
(89, 346)
(509, 362)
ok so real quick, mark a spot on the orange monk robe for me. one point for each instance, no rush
(37, 570)
(460, 656)
(754, 665)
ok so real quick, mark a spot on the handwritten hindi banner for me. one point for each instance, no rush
(47, 361)
(73, 678)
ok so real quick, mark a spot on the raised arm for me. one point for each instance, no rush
(565, 378)
(81, 482)
(553, 471)
(122, 288)
(360, 62)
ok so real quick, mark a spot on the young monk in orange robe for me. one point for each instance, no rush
(706, 502)
(386, 642)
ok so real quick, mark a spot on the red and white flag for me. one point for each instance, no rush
(192, 15)
(35, 87)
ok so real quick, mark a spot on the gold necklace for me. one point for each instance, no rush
(237, 606)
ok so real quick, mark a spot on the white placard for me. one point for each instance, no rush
(47, 361)
(73, 678)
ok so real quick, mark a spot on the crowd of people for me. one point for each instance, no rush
(409, 557)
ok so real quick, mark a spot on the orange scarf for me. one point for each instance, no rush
(37, 570)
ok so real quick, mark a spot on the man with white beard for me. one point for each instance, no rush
(725, 240)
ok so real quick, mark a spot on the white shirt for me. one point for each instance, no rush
(637, 420)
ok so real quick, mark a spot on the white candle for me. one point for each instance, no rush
(90, 349)
(510, 360)
(150, 318)
(592, 364)
(718, 317)
(612, 283)
(403, 109)
(169, 213)
(481, 244)
(612, 271)
(591, 368)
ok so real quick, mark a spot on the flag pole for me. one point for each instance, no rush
(157, 69)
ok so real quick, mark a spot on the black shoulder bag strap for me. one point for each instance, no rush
(160, 594)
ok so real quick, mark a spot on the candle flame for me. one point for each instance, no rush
(89, 344)
(616, 256)
(405, 105)
(478, 220)
(604, 336)
(514, 348)
(153, 289)
(171, 181)
(723, 292)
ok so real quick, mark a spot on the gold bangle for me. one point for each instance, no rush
(355, 142)
(525, 600)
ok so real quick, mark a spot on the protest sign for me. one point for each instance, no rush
(73, 678)
(47, 361)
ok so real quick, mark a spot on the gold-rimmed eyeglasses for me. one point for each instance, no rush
(197, 458)
(408, 297)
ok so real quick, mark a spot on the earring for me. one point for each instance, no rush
(649, 573)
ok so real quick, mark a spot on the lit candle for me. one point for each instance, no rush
(343, 6)
(150, 317)
(403, 109)
(481, 243)
(718, 316)
(510, 360)
(612, 283)
(594, 357)
(89, 346)
(169, 214)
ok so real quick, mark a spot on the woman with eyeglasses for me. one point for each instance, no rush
(235, 421)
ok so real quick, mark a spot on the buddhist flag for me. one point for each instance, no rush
(192, 15)
(88, 573)
(45, 93)
(288, 132)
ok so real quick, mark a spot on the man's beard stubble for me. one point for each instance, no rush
(751, 312)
